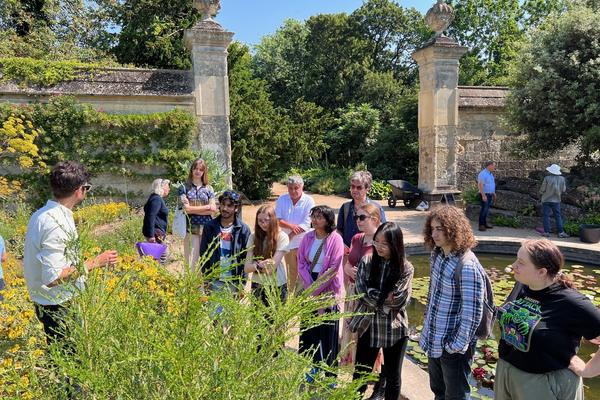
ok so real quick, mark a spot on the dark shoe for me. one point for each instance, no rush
(379, 389)
(488, 226)
(482, 228)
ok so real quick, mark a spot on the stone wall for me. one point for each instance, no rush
(480, 136)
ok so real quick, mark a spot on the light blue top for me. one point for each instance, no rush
(2, 250)
(487, 178)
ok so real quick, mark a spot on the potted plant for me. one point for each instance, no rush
(589, 233)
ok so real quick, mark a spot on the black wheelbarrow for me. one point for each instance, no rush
(403, 190)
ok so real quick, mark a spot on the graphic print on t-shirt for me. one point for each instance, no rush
(226, 238)
(518, 319)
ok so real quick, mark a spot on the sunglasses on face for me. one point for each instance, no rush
(87, 187)
(360, 217)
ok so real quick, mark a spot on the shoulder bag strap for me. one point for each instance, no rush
(315, 259)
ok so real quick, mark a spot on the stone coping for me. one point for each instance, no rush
(578, 252)
(114, 82)
(477, 97)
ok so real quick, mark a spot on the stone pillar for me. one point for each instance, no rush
(438, 116)
(208, 42)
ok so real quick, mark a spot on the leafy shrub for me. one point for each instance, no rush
(324, 180)
(471, 195)
(380, 190)
(503, 220)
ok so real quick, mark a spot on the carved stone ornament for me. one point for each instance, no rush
(439, 17)
(208, 8)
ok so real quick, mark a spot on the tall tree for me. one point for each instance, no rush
(393, 33)
(281, 60)
(555, 96)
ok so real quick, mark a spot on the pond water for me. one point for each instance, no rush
(586, 277)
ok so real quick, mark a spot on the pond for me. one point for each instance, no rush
(486, 355)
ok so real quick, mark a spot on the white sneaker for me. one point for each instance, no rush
(423, 206)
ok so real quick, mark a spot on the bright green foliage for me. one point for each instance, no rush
(152, 32)
(55, 30)
(28, 71)
(266, 140)
(555, 97)
(380, 190)
(357, 130)
(107, 143)
(280, 60)
(395, 155)
(392, 34)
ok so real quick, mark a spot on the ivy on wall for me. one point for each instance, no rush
(108, 143)
(27, 71)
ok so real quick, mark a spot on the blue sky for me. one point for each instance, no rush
(252, 19)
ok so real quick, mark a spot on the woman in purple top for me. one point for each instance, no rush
(198, 199)
(320, 255)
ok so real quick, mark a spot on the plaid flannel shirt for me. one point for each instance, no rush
(388, 323)
(453, 313)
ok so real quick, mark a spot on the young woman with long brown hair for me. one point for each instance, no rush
(198, 199)
(266, 249)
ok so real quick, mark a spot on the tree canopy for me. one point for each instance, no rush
(555, 96)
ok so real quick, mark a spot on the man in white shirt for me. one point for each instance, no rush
(293, 213)
(52, 268)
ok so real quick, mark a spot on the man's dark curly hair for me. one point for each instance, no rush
(66, 177)
(456, 225)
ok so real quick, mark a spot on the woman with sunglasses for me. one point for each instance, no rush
(266, 249)
(320, 258)
(384, 278)
(360, 183)
(198, 199)
(368, 219)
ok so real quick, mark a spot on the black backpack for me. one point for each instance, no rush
(488, 317)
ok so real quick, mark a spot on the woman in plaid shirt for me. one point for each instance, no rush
(384, 278)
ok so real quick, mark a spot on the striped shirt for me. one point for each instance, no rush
(388, 323)
(453, 313)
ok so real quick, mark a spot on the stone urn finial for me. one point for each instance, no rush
(208, 8)
(439, 17)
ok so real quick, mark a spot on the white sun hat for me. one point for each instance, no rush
(554, 169)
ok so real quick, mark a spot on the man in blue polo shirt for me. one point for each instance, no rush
(487, 191)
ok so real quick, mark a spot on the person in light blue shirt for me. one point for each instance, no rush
(487, 190)
(2, 259)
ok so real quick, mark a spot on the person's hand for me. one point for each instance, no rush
(109, 257)
(595, 341)
(297, 229)
(494, 197)
(577, 365)
(483, 197)
(212, 207)
(186, 207)
(266, 266)
(184, 200)
(151, 240)
(350, 271)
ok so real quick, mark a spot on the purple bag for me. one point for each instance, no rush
(154, 250)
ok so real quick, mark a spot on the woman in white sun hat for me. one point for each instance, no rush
(551, 190)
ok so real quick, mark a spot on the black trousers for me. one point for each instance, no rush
(393, 357)
(52, 317)
(324, 338)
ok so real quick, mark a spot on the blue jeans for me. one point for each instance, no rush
(449, 375)
(555, 207)
(485, 208)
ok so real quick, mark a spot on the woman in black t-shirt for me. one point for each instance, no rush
(542, 324)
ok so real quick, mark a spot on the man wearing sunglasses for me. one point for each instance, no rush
(52, 269)
(230, 236)
(360, 183)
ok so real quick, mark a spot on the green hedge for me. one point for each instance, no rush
(107, 143)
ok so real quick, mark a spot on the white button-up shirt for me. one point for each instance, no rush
(50, 246)
(298, 214)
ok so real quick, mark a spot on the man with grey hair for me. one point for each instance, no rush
(293, 212)
(360, 183)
